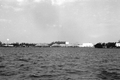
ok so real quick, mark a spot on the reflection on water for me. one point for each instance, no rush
(59, 64)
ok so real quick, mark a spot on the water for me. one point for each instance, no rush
(59, 64)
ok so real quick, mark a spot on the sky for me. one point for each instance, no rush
(44, 21)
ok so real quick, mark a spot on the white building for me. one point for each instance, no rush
(67, 43)
(86, 45)
(59, 44)
(42, 45)
(117, 44)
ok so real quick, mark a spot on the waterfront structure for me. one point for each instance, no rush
(117, 44)
(86, 45)
(59, 44)
(42, 45)
(8, 45)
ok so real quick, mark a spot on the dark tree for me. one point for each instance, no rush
(111, 45)
(99, 45)
(1, 43)
(16, 44)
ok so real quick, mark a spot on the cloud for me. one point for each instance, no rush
(31, 2)
(5, 20)
(26, 2)
(16, 5)
(11, 7)
(20, 0)
(23, 2)
(95, 35)
(2, 20)
(18, 9)
(60, 2)
(37, 0)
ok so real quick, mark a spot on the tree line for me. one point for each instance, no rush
(17, 44)
(106, 45)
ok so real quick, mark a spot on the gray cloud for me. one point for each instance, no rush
(74, 21)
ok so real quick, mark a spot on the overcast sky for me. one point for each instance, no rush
(59, 20)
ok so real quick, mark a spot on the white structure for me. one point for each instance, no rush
(67, 43)
(117, 44)
(41, 45)
(9, 45)
(60, 44)
(86, 45)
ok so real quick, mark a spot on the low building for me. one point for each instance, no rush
(42, 45)
(86, 45)
(8, 45)
(117, 45)
(59, 44)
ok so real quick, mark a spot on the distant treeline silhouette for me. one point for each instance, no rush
(106, 45)
(52, 44)
(16, 44)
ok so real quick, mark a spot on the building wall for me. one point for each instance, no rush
(117, 44)
(86, 45)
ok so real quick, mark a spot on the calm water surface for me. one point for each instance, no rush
(59, 64)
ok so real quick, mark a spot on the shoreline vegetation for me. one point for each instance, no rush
(62, 44)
